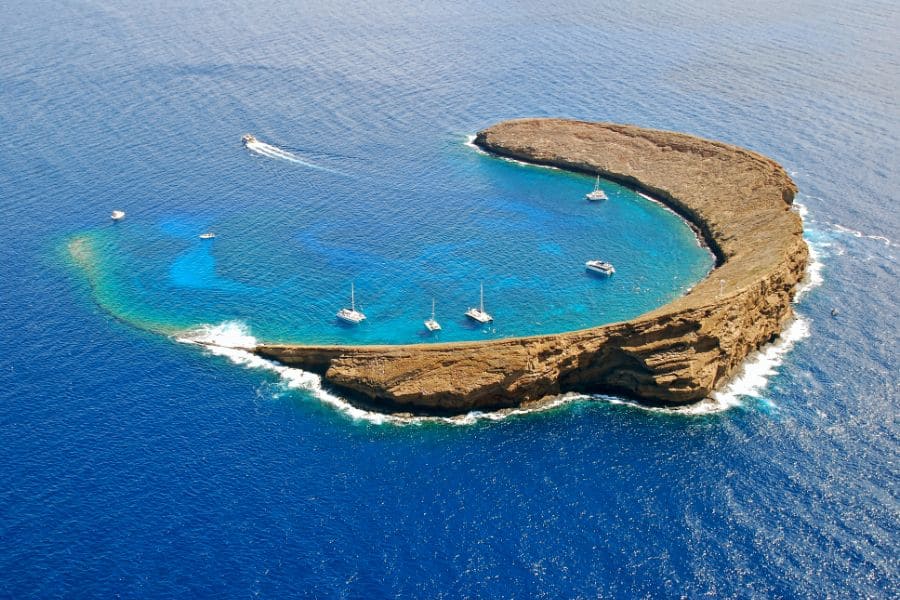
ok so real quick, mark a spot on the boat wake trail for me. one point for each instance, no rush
(270, 151)
(859, 234)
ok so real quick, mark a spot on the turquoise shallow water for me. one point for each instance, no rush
(405, 229)
(134, 466)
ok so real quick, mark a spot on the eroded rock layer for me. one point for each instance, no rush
(740, 202)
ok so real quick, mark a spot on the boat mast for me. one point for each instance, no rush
(352, 298)
(482, 297)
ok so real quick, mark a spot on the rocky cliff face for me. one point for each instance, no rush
(738, 199)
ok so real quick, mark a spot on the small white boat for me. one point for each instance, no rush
(247, 139)
(478, 314)
(431, 324)
(207, 236)
(597, 194)
(599, 266)
(117, 215)
(351, 315)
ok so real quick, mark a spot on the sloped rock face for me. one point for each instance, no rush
(739, 200)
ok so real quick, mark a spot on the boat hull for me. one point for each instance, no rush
(478, 316)
(606, 270)
(352, 317)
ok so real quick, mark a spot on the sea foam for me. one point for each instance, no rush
(234, 341)
(470, 142)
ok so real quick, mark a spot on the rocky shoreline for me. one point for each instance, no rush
(738, 200)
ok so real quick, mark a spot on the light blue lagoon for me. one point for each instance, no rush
(404, 232)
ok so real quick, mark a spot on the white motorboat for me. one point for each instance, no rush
(599, 266)
(431, 324)
(207, 236)
(478, 314)
(247, 139)
(117, 215)
(351, 315)
(597, 194)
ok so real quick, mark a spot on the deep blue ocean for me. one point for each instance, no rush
(135, 464)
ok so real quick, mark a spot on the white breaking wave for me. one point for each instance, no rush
(801, 210)
(760, 366)
(750, 380)
(233, 340)
(813, 277)
(270, 151)
(470, 142)
(707, 406)
(232, 335)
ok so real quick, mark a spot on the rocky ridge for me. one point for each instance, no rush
(679, 353)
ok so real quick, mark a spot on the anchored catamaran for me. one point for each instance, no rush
(431, 324)
(478, 314)
(597, 194)
(351, 315)
(599, 266)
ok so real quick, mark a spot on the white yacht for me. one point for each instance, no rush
(351, 315)
(478, 314)
(431, 324)
(117, 215)
(597, 194)
(207, 236)
(599, 266)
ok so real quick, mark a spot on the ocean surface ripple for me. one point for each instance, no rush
(146, 453)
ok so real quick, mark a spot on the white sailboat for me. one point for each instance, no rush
(597, 194)
(351, 315)
(431, 324)
(478, 314)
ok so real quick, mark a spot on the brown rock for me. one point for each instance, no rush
(740, 202)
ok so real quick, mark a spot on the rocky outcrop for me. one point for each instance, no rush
(740, 202)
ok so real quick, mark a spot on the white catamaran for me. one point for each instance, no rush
(431, 324)
(597, 194)
(351, 315)
(478, 314)
(600, 266)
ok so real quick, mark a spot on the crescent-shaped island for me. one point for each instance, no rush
(740, 203)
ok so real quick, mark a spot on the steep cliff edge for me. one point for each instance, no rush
(679, 353)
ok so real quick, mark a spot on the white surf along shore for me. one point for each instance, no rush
(234, 341)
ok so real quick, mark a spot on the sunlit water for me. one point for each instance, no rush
(524, 232)
(140, 466)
